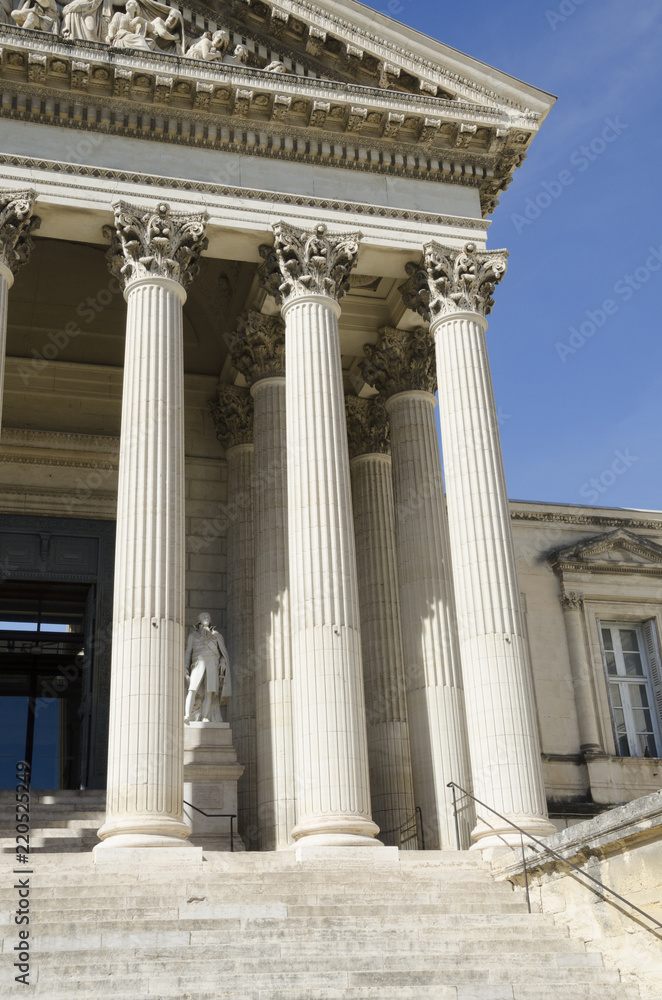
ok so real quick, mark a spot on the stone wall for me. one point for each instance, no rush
(623, 849)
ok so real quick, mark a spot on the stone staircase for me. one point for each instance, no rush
(60, 821)
(365, 925)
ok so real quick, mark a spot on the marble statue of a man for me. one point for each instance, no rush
(207, 672)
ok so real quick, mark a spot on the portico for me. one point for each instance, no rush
(260, 244)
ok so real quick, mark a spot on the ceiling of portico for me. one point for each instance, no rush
(69, 283)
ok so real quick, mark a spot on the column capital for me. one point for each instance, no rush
(572, 601)
(257, 346)
(155, 243)
(453, 281)
(367, 426)
(232, 410)
(401, 361)
(16, 224)
(304, 263)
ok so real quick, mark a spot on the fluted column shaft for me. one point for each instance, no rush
(333, 793)
(435, 697)
(240, 634)
(274, 714)
(383, 660)
(145, 769)
(154, 253)
(497, 677)
(589, 736)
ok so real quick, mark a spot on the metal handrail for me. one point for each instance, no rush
(407, 826)
(523, 833)
(231, 816)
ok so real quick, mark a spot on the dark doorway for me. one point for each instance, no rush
(46, 634)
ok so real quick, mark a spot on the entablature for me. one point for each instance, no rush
(163, 97)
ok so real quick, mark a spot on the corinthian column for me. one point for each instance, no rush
(233, 416)
(258, 352)
(454, 289)
(401, 366)
(308, 273)
(16, 224)
(154, 254)
(381, 636)
(589, 737)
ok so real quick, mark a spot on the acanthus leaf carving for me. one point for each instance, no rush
(401, 361)
(16, 225)
(572, 601)
(452, 281)
(367, 426)
(232, 411)
(308, 263)
(258, 346)
(155, 243)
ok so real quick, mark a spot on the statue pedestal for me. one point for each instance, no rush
(211, 772)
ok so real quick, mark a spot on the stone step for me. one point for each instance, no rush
(144, 989)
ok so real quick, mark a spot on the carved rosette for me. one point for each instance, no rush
(257, 346)
(452, 281)
(232, 410)
(155, 244)
(16, 224)
(572, 601)
(367, 426)
(308, 263)
(401, 361)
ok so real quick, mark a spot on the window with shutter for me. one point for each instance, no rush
(632, 665)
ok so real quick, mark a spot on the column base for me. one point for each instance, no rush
(143, 831)
(500, 839)
(337, 831)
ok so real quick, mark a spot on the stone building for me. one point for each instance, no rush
(242, 246)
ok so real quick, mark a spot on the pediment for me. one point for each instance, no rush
(615, 551)
(344, 40)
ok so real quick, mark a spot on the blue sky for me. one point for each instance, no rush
(589, 408)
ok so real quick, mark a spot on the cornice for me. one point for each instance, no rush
(89, 86)
(585, 519)
(224, 190)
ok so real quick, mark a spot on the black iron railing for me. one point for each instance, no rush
(559, 857)
(409, 830)
(231, 816)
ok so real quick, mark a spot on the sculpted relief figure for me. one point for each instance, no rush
(40, 15)
(209, 47)
(82, 19)
(207, 671)
(148, 27)
(5, 12)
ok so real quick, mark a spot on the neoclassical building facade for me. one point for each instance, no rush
(242, 261)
